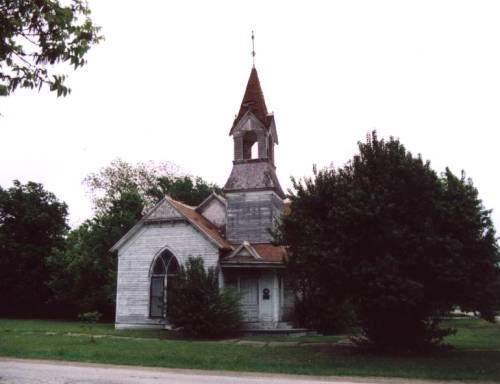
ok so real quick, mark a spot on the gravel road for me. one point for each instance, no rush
(18, 371)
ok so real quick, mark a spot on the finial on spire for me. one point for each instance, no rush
(253, 49)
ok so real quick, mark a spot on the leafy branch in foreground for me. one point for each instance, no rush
(39, 33)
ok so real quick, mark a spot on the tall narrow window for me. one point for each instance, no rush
(164, 271)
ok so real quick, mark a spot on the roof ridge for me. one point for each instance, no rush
(180, 202)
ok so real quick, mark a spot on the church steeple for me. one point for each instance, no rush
(253, 192)
(253, 101)
(254, 125)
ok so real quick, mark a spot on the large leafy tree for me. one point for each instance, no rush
(190, 190)
(151, 181)
(83, 273)
(391, 238)
(37, 34)
(32, 226)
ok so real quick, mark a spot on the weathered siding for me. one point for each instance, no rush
(266, 308)
(262, 140)
(258, 312)
(250, 298)
(215, 212)
(134, 262)
(238, 148)
(250, 215)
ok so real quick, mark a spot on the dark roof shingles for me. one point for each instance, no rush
(255, 175)
(253, 101)
(268, 252)
(205, 225)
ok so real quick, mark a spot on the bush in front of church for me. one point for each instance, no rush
(199, 307)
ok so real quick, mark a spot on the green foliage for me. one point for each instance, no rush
(32, 225)
(189, 190)
(401, 244)
(36, 33)
(199, 307)
(89, 319)
(83, 273)
(335, 317)
(151, 181)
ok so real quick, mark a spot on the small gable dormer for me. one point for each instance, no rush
(213, 208)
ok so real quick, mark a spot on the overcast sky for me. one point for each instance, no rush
(167, 81)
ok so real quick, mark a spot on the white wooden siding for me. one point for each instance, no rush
(134, 262)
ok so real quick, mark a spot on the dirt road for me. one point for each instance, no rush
(18, 371)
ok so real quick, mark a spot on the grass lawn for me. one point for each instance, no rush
(476, 357)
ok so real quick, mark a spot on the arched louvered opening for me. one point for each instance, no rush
(164, 270)
(250, 146)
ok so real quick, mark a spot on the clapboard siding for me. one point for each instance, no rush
(215, 212)
(134, 262)
(251, 215)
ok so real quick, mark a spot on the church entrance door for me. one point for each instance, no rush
(250, 298)
(266, 297)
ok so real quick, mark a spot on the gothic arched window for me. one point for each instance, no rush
(165, 268)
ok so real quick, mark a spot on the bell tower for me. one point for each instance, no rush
(254, 195)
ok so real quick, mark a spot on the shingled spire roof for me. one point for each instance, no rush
(253, 101)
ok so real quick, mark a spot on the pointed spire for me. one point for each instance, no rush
(253, 100)
(253, 50)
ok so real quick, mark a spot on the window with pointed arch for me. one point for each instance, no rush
(164, 270)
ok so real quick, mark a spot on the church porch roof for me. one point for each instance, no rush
(256, 255)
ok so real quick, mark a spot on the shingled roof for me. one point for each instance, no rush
(169, 209)
(253, 175)
(200, 222)
(257, 254)
(253, 101)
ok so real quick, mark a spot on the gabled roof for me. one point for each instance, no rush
(205, 202)
(201, 223)
(256, 254)
(169, 209)
(245, 251)
(270, 252)
(253, 101)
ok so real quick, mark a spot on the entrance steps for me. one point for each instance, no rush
(274, 328)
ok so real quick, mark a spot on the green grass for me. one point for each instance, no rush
(474, 334)
(61, 327)
(301, 339)
(476, 356)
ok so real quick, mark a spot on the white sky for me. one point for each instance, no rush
(168, 80)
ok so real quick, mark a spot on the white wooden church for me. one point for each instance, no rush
(230, 233)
